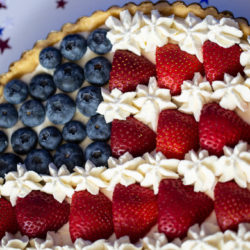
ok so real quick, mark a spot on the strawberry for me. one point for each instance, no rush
(219, 127)
(90, 216)
(177, 133)
(38, 212)
(134, 211)
(131, 136)
(174, 65)
(7, 218)
(231, 204)
(129, 70)
(180, 207)
(219, 60)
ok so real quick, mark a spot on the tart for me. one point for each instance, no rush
(129, 130)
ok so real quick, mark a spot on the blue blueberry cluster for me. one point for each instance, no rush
(48, 97)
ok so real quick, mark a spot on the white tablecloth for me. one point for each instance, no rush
(22, 22)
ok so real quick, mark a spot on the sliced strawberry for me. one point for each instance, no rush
(131, 136)
(90, 216)
(177, 133)
(219, 127)
(134, 211)
(219, 60)
(7, 218)
(180, 207)
(129, 70)
(38, 213)
(231, 204)
(174, 65)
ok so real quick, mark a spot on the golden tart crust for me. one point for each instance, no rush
(30, 59)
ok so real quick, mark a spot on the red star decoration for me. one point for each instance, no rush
(2, 6)
(61, 4)
(4, 45)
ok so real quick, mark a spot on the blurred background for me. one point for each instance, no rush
(22, 22)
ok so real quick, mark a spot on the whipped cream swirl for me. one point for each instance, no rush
(155, 31)
(232, 93)
(191, 34)
(17, 241)
(20, 183)
(150, 101)
(123, 33)
(123, 171)
(245, 56)
(198, 169)
(234, 165)
(58, 183)
(194, 95)
(88, 178)
(116, 105)
(225, 32)
(157, 167)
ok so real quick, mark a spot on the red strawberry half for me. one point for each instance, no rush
(219, 127)
(177, 133)
(231, 204)
(180, 207)
(219, 60)
(131, 136)
(129, 70)
(173, 66)
(7, 218)
(134, 211)
(38, 213)
(90, 216)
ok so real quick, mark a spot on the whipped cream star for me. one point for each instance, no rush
(234, 165)
(58, 183)
(199, 239)
(191, 34)
(194, 95)
(158, 241)
(123, 32)
(157, 167)
(198, 170)
(40, 244)
(89, 178)
(122, 244)
(225, 32)
(123, 171)
(245, 56)
(11, 242)
(20, 183)
(155, 31)
(239, 240)
(232, 93)
(88, 245)
(150, 101)
(116, 105)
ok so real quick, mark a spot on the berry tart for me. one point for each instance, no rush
(129, 129)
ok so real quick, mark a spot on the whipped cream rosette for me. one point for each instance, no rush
(12, 242)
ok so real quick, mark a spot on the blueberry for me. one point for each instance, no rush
(8, 115)
(97, 70)
(15, 91)
(97, 128)
(74, 131)
(42, 86)
(98, 41)
(8, 163)
(88, 99)
(60, 109)
(50, 138)
(98, 153)
(3, 141)
(50, 57)
(38, 160)
(68, 77)
(32, 113)
(73, 47)
(69, 154)
(23, 140)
